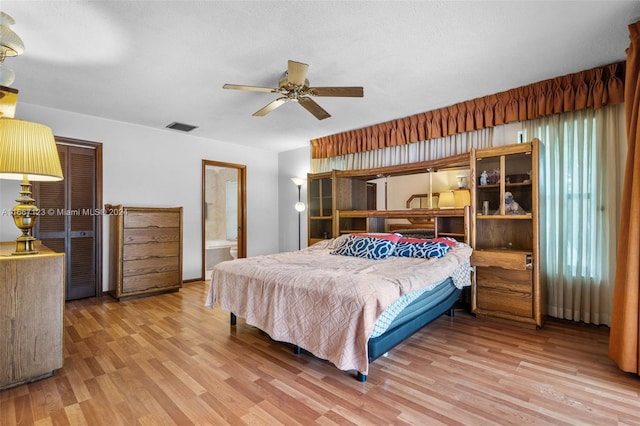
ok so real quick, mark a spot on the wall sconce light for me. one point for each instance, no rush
(27, 152)
(299, 206)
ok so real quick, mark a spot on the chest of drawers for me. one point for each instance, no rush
(145, 250)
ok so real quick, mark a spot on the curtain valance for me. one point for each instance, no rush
(592, 88)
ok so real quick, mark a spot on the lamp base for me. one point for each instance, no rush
(25, 245)
(25, 215)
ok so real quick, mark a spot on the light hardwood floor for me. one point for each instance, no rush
(169, 360)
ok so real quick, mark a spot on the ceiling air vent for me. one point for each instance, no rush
(181, 126)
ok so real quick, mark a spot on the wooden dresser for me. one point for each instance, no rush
(145, 250)
(31, 314)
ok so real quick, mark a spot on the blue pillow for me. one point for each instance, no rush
(366, 247)
(421, 249)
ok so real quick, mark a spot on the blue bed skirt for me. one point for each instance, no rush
(426, 308)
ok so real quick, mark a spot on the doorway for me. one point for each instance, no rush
(72, 223)
(224, 217)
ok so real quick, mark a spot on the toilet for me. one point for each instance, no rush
(233, 251)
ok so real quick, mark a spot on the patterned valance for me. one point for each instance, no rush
(592, 88)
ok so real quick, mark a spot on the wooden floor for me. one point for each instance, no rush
(169, 360)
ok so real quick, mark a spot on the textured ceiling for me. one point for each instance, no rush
(155, 62)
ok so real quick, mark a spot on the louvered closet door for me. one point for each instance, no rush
(69, 223)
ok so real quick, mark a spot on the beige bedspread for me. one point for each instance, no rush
(326, 304)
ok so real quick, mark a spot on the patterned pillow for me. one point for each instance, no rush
(414, 247)
(368, 246)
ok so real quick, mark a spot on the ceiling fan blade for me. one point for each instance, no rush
(355, 92)
(270, 107)
(315, 109)
(250, 88)
(297, 73)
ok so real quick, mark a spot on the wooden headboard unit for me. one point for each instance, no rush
(454, 223)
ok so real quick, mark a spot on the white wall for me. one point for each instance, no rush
(159, 167)
(294, 163)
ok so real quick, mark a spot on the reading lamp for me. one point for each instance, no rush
(300, 206)
(446, 200)
(462, 198)
(28, 153)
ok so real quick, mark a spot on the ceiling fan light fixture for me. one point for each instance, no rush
(294, 86)
(7, 76)
(10, 43)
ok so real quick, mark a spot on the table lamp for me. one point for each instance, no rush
(28, 153)
(462, 198)
(446, 200)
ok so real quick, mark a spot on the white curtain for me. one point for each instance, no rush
(405, 154)
(582, 155)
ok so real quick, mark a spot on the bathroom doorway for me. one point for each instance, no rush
(224, 217)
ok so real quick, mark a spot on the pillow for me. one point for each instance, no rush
(338, 241)
(424, 249)
(447, 240)
(368, 246)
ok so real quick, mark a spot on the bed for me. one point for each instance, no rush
(346, 309)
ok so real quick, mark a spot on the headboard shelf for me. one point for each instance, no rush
(366, 200)
(444, 222)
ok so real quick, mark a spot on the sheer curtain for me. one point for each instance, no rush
(408, 153)
(581, 186)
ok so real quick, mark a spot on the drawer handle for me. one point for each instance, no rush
(529, 262)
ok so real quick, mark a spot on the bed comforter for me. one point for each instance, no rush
(326, 304)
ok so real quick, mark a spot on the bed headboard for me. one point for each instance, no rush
(455, 223)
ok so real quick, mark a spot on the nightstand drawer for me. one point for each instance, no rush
(519, 260)
(504, 290)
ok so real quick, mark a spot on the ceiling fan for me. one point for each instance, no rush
(294, 86)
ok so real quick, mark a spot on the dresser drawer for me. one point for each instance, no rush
(143, 219)
(507, 259)
(145, 251)
(150, 266)
(504, 290)
(148, 282)
(148, 235)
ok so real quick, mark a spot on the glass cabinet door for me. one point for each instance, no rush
(504, 200)
(320, 207)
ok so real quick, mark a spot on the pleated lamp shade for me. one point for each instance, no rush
(462, 198)
(28, 150)
(446, 200)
